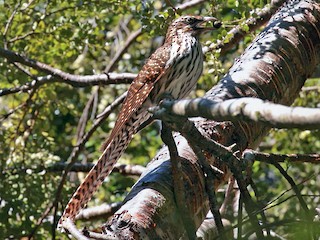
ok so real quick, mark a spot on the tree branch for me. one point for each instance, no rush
(56, 75)
(271, 157)
(116, 58)
(257, 110)
(125, 169)
(189, 4)
(221, 153)
(102, 211)
(178, 181)
(211, 177)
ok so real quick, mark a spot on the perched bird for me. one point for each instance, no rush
(172, 69)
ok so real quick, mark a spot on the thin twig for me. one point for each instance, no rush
(40, 220)
(228, 195)
(84, 118)
(178, 181)
(240, 220)
(21, 37)
(124, 169)
(293, 186)
(9, 22)
(271, 157)
(267, 206)
(133, 36)
(210, 177)
(261, 212)
(26, 6)
(189, 4)
(12, 111)
(102, 211)
(249, 180)
(295, 189)
(24, 106)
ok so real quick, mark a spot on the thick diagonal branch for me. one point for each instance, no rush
(274, 68)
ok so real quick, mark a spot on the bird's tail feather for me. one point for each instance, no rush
(112, 152)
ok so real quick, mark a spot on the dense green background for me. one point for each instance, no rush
(81, 37)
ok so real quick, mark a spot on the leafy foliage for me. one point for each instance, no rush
(39, 127)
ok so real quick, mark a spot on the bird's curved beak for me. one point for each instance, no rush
(202, 25)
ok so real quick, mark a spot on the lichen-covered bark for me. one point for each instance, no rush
(274, 67)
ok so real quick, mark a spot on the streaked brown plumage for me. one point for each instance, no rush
(174, 69)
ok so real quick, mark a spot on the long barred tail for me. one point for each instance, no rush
(104, 166)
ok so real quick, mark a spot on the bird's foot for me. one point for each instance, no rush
(165, 97)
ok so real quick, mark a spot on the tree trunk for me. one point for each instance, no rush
(274, 67)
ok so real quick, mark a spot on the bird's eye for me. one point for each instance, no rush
(190, 20)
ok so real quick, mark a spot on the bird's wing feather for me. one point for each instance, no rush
(141, 87)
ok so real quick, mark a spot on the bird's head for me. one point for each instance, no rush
(193, 25)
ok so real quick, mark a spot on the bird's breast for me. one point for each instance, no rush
(184, 70)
